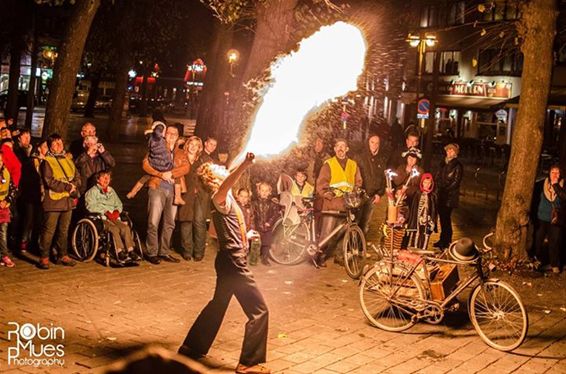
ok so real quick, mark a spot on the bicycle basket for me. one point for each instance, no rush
(353, 199)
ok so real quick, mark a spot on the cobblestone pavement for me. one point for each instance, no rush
(316, 325)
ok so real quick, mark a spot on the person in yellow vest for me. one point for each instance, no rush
(7, 196)
(61, 189)
(337, 175)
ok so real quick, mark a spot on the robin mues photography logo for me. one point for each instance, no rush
(36, 345)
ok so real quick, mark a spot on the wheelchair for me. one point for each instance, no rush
(90, 238)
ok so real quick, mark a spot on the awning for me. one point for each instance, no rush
(556, 101)
(471, 102)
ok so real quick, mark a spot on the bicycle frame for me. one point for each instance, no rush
(312, 226)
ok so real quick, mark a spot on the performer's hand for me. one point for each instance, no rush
(250, 157)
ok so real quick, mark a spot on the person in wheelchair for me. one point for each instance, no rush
(103, 200)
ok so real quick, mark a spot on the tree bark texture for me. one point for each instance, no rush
(212, 106)
(92, 95)
(66, 67)
(537, 28)
(122, 68)
(275, 20)
(32, 79)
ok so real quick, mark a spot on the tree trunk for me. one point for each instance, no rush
(275, 20)
(538, 28)
(212, 105)
(67, 66)
(92, 95)
(121, 74)
(32, 79)
(13, 105)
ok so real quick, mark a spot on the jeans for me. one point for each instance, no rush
(3, 239)
(445, 213)
(233, 279)
(160, 207)
(55, 221)
(364, 215)
(193, 233)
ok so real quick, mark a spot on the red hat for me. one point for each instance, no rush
(427, 176)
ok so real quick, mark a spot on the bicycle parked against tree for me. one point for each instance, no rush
(295, 241)
(405, 287)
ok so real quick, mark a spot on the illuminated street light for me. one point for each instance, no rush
(233, 56)
(421, 42)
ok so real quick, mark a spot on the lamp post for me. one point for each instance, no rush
(421, 42)
(233, 56)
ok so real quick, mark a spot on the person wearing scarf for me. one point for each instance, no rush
(550, 214)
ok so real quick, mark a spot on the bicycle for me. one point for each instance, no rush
(395, 294)
(294, 242)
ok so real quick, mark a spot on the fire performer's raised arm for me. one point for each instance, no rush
(220, 196)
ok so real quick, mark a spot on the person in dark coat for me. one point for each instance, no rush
(31, 195)
(77, 146)
(448, 179)
(95, 158)
(549, 208)
(407, 178)
(266, 213)
(372, 161)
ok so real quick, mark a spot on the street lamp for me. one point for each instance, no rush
(421, 42)
(233, 56)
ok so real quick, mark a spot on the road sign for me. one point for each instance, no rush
(423, 109)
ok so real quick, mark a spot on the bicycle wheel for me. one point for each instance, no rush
(354, 248)
(289, 243)
(389, 297)
(498, 315)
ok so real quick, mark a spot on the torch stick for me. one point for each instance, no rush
(414, 173)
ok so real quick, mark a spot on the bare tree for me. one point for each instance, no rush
(67, 66)
(537, 27)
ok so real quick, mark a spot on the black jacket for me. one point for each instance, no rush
(372, 169)
(87, 167)
(448, 181)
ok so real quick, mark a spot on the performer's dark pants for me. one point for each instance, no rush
(445, 213)
(233, 278)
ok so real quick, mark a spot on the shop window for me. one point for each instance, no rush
(500, 10)
(449, 62)
(500, 62)
(456, 13)
(429, 16)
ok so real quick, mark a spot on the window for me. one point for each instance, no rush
(449, 63)
(500, 10)
(429, 16)
(500, 62)
(456, 13)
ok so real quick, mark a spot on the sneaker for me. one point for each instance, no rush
(7, 261)
(186, 256)
(66, 261)
(43, 263)
(154, 260)
(255, 369)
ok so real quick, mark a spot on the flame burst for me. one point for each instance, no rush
(326, 65)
